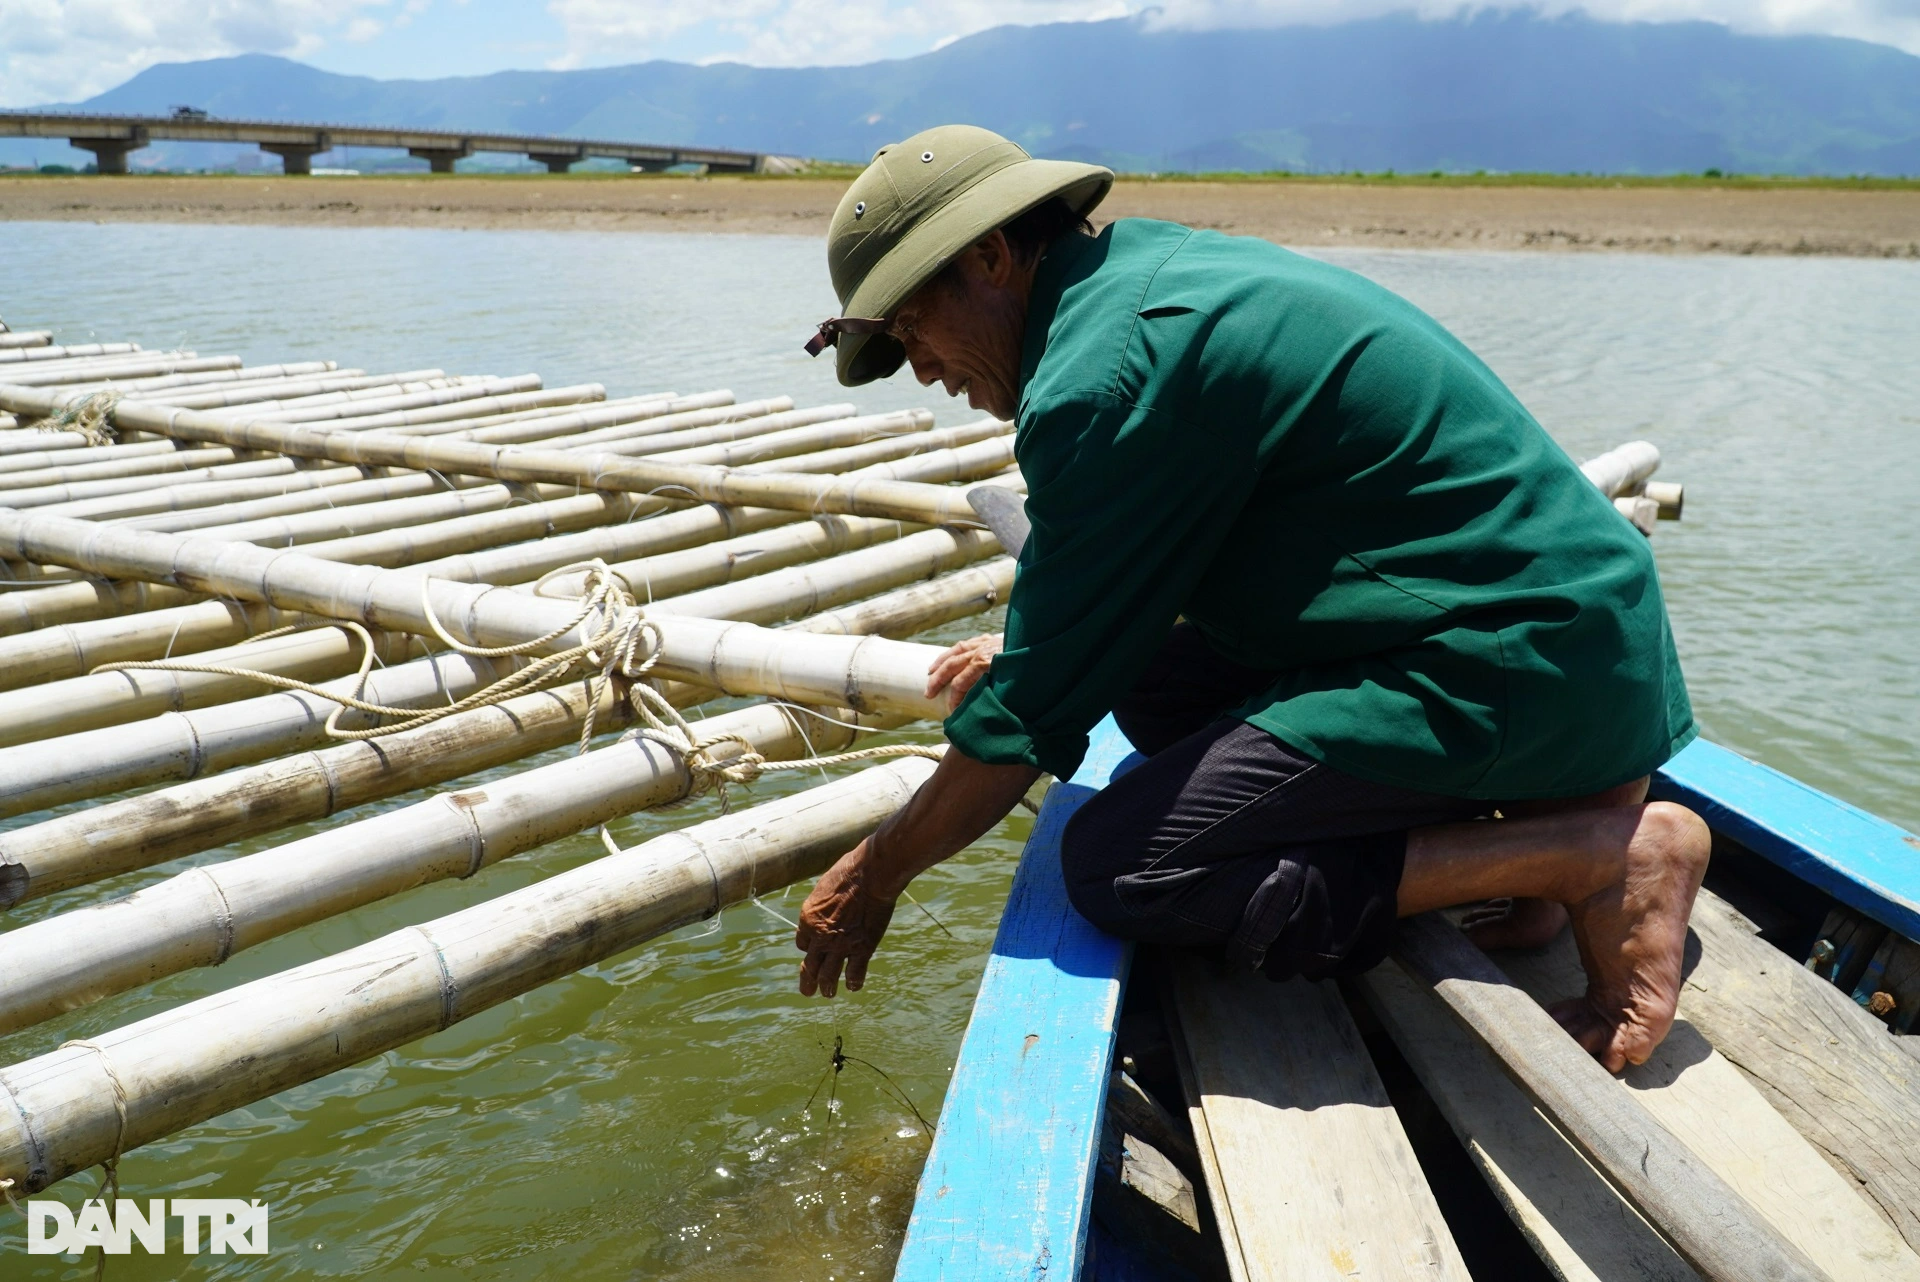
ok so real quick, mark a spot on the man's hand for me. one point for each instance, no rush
(959, 669)
(841, 924)
(843, 919)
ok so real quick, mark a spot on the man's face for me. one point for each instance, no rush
(963, 329)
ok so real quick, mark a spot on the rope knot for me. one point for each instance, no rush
(91, 416)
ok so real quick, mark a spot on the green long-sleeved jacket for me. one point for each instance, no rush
(1327, 483)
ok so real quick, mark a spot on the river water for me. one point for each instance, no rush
(647, 1118)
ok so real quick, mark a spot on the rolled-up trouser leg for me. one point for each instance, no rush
(1234, 842)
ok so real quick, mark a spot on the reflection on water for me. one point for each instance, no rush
(645, 1118)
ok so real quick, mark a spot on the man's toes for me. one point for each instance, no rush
(1593, 1031)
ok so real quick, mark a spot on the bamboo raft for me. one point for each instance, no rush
(202, 562)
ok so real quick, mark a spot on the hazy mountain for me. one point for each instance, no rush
(1497, 91)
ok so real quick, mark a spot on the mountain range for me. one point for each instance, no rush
(1497, 90)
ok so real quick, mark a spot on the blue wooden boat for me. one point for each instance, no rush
(1012, 1188)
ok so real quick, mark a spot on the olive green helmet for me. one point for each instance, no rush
(911, 212)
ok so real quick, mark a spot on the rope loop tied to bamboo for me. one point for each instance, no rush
(110, 1166)
(621, 644)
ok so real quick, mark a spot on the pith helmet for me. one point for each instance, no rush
(911, 212)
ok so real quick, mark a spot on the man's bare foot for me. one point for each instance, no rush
(1632, 937)
(1515, 923)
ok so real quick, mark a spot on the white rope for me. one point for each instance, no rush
(611, 651)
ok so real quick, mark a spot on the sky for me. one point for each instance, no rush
(68, 50)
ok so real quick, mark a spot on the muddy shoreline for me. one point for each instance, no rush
(1821, 221)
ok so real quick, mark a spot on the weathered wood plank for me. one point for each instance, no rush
(1858, 858)
(1833, 1071)
(1713, 1228)
(1007, 1190)
(1223, 1225)
(1308, 1153)
(1696, 1094)
(1574, 1219)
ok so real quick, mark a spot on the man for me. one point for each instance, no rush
(1324, 569)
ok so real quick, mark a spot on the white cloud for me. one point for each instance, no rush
(67, 50)
(1894, 22)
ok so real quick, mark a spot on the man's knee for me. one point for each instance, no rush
(1091, 862)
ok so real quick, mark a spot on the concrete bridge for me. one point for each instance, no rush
(111, 138)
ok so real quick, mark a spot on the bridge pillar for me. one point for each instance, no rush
(440, 159)
(297, 157)
(110, 154)
(557, 162)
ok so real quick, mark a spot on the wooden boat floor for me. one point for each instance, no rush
(1310, 1173)
(1571, 1216)
(1711, 1107)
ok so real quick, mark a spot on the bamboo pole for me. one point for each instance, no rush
(510, 430)
(197, 742)
(1668, 497)
(225, 800)
(535, 521)
(254, 375)
(114, 698)
(127, 367)
(1622, 468)
(994, 438)
(796, 440)
(67, 456)
(1640, 510)
(348, 492)
(906, 611)
(235, 793)
(205, 915)
(930, 505)
(144, 754)
(363, 518)
(683, 431)
(684, 427)
(294, 401)
(625, 406)
(14, 355)
(542, 521)
(739, 658)
(669, 532)
(182, 496)
(71, 650)
(25, 337)
(23, 611)
(44, 495)
(437, 405)
(13, 442)
(202, 1059)
(140, 460)
(821, 585)
(657, 579)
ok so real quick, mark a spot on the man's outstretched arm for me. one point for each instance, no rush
(843, 919)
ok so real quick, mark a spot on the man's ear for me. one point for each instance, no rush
(993, 257)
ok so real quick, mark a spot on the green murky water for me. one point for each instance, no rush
(645, 1118)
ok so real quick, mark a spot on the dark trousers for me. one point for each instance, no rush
(1228, 840)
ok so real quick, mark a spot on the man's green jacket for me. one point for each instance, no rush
(1331, 486)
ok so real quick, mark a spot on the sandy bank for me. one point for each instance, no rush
(1646, 219)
